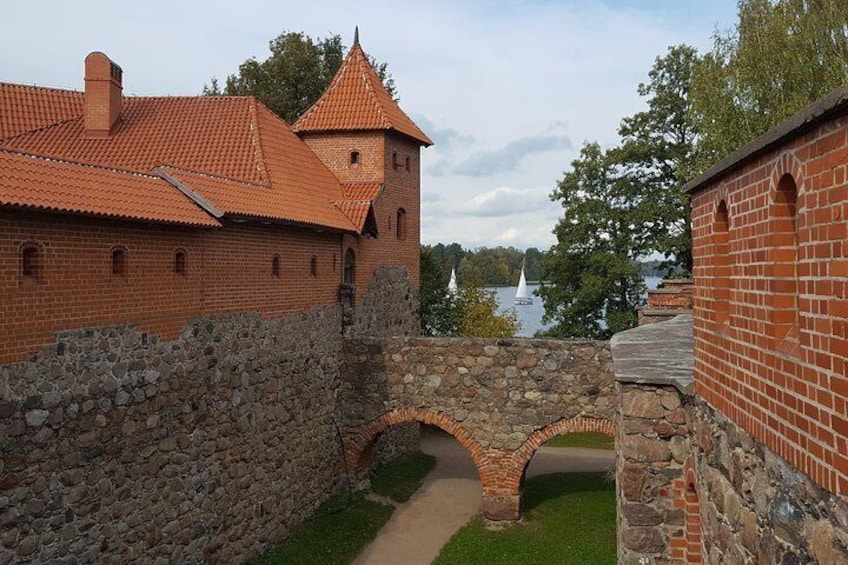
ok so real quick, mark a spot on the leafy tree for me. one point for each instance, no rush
(294, 76)
(782, 56)
(438, 311)
(477, 315)
(592, 278)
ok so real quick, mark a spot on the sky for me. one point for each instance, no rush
(508, 90)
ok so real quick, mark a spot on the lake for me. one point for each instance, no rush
(530, 316)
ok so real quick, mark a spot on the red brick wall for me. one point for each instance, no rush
(771, 350)
(227, 270)
(402, 190)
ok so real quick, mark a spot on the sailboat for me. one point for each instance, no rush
(522, 297)
(452, 287)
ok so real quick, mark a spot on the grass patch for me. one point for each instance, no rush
(334, 537)
(401, 478)
(592, 440)
(569, 519)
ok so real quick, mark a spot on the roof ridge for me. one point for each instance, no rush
(75, 163)
(369, 88)
(39, 87)
(215, 176)
(38, 130)
(333, 84)
(256, 138)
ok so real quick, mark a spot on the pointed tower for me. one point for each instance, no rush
(373, 147)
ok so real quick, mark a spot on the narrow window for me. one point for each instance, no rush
(275, 266)
(394, 160)
(31, 262)
(349, 267)
(784, 252)
(119, 262)
(721, 263)
(354, 157)
(401, 223)
(407, 164)
(180, 262)
(313, 266)
(334, 262)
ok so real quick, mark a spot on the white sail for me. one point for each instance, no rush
(452, 287)
(522, 297)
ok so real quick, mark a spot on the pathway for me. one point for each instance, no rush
(450, 497)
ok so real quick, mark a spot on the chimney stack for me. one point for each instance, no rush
(103, 96)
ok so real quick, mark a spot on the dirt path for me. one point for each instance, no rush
(450, 497)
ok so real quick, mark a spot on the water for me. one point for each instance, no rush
(530, 316)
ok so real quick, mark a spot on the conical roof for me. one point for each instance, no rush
(356, 100)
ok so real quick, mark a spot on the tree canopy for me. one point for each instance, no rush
(487, 266)
(782, 56)
(298, 70)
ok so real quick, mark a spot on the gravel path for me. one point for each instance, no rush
(450, 497)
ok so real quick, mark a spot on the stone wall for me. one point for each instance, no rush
(652, 447)
(755, 507)
(500, 390)
(118, 447)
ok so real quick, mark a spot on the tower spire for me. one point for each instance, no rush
(356, 36)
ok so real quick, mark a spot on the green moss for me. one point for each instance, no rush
(569, 519)
(591, 440)
(401, 478)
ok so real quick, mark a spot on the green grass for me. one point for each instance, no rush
(401, 478)
(592, 440)
(337, 533)
(569, 519)
(333, 537)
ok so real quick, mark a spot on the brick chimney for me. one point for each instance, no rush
(103, 97)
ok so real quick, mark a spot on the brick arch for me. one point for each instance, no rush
(359, 441)
(787, 164)
(522, 456)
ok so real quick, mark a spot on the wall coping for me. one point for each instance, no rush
(660, 354)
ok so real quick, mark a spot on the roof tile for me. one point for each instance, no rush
(25, 108)
(28, 181)
(357, 100)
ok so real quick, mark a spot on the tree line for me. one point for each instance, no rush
(486, 266)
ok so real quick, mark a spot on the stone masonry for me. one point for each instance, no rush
(501, 398)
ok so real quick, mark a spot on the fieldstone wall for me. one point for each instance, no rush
(652, 448)
(755, 507)
(389, 309)
(118, 448)
(500, 390)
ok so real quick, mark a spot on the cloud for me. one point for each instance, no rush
(507, 158)
(506, 201)
(443, 138)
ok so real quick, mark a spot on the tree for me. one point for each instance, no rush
(437, 309)
(591, 278)
(782, 56)
(294, 76)
(620, 205)
(477, 315)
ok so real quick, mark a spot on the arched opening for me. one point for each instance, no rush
(692, 510)
(349, 275)
(180, 263)
(721, 264)
(401, 223)
(31, 262)
(783, 252)
(275, 266)
(119, 262)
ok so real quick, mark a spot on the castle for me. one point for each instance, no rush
(209, 318)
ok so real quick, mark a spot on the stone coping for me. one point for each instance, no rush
(661, 353)
(668, 311)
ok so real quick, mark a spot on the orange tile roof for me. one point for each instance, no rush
(356, 212)
(213, 134)
(362, 190)
(28, 181)
(357, 100)
(224, 144)
(25, 108)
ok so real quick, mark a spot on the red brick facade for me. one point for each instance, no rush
(770, 241)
